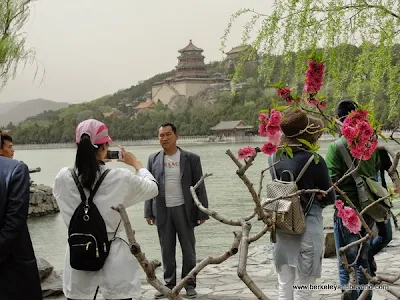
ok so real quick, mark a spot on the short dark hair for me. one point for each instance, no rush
(169, 124)
(5, 137)
(344, 108)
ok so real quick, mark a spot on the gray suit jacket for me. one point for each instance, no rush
(191, 172)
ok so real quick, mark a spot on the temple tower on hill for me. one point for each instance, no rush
(191, 63)
(190, 79)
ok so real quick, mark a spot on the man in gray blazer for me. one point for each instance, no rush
(173, 210)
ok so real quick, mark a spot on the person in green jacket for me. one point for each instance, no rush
(337, 169)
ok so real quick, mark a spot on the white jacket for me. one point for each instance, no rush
(120, 276)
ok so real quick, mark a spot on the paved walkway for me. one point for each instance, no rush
(221, 281)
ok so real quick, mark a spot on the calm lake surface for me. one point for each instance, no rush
(226, 193)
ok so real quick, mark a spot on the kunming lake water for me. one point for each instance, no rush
(226, 193)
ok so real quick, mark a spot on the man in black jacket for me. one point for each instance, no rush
(19, 276)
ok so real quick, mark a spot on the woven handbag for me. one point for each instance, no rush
(288, 214)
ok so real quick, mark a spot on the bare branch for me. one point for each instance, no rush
(262, 177)
(298, 193)
(358, 242)
(396, 225)
(241, 271)
(234, 159)
(148, 267)
(374, 203)
(246, 181)
(210, 261)
(248, 218)
(358, 255)
(379, 279)
(202, 179)
(263, 231)
(208, 211)
(391, 137)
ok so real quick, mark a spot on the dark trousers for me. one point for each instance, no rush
(19, 279)
(384, 237)
(344, 237)
(177, 224)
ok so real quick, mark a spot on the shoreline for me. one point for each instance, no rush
(183, 140)
(200, 140)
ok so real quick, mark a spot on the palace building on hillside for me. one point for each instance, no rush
(190, 79)
(231, 128)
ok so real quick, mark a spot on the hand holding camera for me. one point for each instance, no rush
(129, 158)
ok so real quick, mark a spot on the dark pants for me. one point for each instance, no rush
(384, 237)
(19, 279)
(177, 224)
(382, 240)
(344, 237)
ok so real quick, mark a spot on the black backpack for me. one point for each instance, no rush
(87, 234)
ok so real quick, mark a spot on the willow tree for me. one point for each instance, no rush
(358, 39)
(13, 15)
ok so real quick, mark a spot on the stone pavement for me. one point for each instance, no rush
(221, 281)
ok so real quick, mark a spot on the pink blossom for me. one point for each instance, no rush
(314, 77)
(361, 114)
(289, 101)
(246, 152)
(349, 217)
(263, 117)
(349, 133)
(312, 102)
(370, 149)
(339, 204)
(349, 121)
(365, 130)
(276, 138)
(269, 148)
(272, 130)
(283, 92)
(351, 221)
(262, 129)
(360, 135)
(357, 150)
(275, 118)
(374, 144)
(322, 104)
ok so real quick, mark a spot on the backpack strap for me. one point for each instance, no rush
(79, 185)
(305, 168)
(271, 160)
(356, 176)
(98, 183)
(92, 192)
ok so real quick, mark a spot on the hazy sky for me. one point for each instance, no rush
(90, 48)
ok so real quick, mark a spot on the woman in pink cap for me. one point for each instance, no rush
(119, 278)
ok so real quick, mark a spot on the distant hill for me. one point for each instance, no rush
(5, 107)
(9, 112)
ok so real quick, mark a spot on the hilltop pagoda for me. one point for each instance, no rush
(190, 79)
(191, 63)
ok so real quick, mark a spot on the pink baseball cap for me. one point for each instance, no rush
(96, 130)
